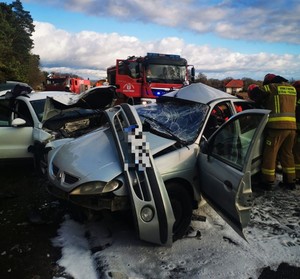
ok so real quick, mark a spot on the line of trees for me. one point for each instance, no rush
(220, 84)
(16, 59)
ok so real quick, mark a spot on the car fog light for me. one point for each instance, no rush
(147, 214)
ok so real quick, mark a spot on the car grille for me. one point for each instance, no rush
(64, 176)
(70, 179)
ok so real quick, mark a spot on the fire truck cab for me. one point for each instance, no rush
(66, 83)
(140, 79)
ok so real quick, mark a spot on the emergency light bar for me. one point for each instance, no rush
(153, 54)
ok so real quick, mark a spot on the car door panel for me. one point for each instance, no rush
(225, 166)
(14, 141)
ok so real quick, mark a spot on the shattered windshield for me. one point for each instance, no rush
(176, 119)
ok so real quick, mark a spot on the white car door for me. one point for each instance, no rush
(225, 166)
(15, 137)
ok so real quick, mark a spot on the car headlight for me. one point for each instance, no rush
(96, 187)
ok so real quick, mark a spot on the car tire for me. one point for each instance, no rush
(181, 202)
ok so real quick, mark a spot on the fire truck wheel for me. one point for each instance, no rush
(182, 206)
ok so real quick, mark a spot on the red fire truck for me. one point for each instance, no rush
(56, 82)
(148, 77)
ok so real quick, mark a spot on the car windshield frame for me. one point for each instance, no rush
(176, 119)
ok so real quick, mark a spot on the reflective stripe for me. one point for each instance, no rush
(277, 104)
(289, 170)
(282, 118)
(267, 88)
(268, 171)
(297, 166)
(286, 90)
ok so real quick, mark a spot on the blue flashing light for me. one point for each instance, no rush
(153, 54)
(158, 93)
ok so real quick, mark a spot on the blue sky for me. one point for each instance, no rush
(220, 38)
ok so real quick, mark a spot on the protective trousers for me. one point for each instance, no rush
(296, 151)
(278, 145)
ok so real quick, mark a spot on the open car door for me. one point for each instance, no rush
(225, 166)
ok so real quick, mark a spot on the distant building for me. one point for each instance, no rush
(234, 86)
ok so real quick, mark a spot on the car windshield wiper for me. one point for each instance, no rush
(173, 136)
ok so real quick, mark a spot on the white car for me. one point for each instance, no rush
(26, 118)
(159, 160)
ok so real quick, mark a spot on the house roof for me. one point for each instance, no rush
(235, 83)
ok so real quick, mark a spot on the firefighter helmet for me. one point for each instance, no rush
(251, 91)
(269, 78)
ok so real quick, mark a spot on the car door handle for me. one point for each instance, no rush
(228, 184)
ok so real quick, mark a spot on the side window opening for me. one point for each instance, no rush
(219, 114)
(22, 111)
(5, 114)
(222, 112)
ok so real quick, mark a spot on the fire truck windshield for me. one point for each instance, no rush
(166, 73)
(54, 81)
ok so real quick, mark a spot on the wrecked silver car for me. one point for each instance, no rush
(29, 120)
(161, 159)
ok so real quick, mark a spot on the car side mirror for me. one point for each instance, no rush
(193, 74)
(17, 122)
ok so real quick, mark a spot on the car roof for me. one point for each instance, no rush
(200, 93)
(44, 94)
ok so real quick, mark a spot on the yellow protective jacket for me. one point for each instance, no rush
(281, 100)
(298, 115)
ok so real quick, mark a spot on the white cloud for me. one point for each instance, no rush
(88, 54)
(258, 20)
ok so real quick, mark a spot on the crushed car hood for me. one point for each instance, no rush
(59, 111)
(101, 160)
(100, 156)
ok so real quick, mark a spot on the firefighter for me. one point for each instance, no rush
(296, 149)
(277, 95)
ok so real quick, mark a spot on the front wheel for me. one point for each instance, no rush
(182, 206)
